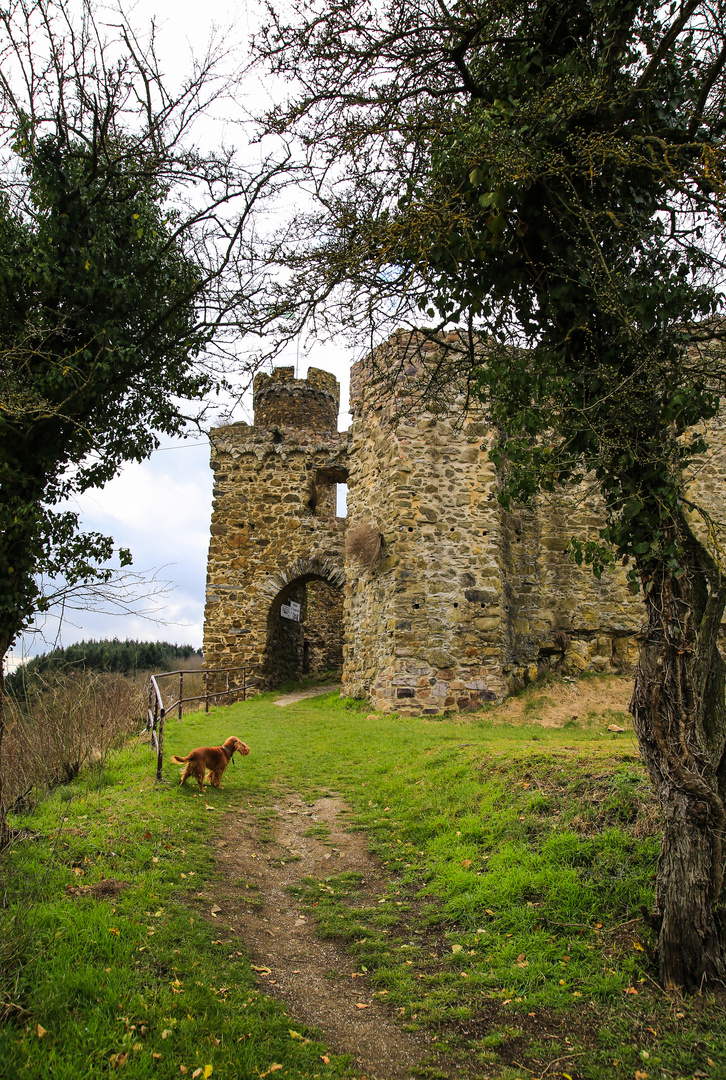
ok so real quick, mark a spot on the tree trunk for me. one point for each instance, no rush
(4, 831)
(679, 714)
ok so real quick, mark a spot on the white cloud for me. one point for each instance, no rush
(160, 509)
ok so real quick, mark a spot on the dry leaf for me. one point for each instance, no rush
(113, 930)
(325, 1059)
(273, 1068)
(466, 863)
(456, 948)
(262, 970)
(520, 958)
(614, 727)
(630, 990)
(137, 1046)
(118, 1061)
(40, 1031)
(640, 1075)
(215, 910)
(361, 1005)
(183, 1070)
(166, 1033)
(208, 807)
(157, 1057)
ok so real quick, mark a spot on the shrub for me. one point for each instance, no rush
(363, 542)
(65, 722)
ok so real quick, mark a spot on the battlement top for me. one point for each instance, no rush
(279, 399)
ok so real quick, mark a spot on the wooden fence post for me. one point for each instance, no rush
(160, 752)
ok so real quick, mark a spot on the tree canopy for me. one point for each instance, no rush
(548, 177)
(126, 657)
(122, 267)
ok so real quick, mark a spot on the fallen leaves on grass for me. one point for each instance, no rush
(273, 1068)
(40, 1031)
(118, 1061)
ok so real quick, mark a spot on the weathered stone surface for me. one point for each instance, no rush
(467, 601)
(275, 537)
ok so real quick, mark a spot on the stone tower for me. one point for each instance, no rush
(464, 603)
(467, 602)
(276, 565)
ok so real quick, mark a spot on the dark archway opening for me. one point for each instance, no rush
(304, 631)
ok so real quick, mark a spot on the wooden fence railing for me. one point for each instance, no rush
(235, 690)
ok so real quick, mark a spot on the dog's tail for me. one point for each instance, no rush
(180, 760)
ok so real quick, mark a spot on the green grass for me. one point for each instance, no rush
(517, 860)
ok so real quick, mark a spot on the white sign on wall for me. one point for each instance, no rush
(291, 611)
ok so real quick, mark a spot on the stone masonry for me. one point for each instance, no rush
(275, 537)
(465, 603)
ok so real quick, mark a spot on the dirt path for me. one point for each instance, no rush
(301, 695)
(314, 977)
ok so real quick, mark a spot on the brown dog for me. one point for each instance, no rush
(214, 758)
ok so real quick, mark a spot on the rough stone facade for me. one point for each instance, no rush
(466, 602)
(274, 531)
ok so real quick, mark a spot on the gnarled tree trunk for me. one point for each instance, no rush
(4, 831)
(679, 714)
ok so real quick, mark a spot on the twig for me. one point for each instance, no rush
(562, 1057)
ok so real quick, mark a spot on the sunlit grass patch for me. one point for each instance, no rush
(514, 860)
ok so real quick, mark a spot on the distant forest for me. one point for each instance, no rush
(125, 657)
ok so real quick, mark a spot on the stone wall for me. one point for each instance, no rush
(465, 603)
(274, 531)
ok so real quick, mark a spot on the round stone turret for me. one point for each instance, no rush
(311, 404)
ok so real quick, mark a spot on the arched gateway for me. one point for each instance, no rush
(276, 562)
(304, 621)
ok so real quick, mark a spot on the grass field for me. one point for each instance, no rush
(519, 858)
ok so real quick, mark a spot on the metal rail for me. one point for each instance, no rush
(157, 711)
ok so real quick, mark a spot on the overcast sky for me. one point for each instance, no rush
(161, 508)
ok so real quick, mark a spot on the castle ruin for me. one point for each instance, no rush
(466, 601)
